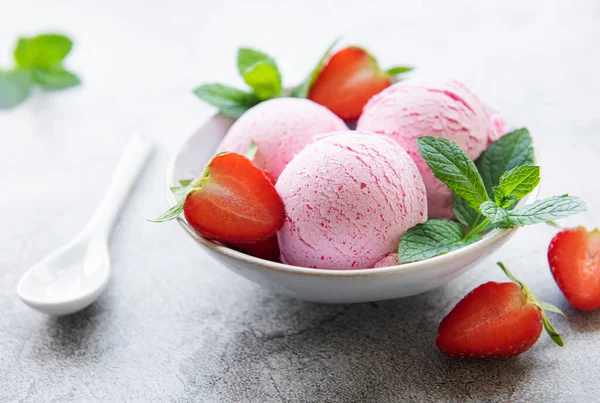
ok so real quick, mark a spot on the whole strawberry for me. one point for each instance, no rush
(495, 320)
(233, 201)
(348, 80)
(574, 258)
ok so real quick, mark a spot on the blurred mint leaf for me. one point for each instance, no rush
(230, 101)
(301, 91)
(15, 86)
(54, 78)
(42, 51)
(547, 209)
(394, 71)
(432, 238)
(247, 57)
(497, 215)
(260, 72)
(264, 78)
(509, 151)
(451, 164)
(518, 183)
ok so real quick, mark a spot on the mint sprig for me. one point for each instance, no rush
(260, 73)
(38, 60)
(474, 185)
(450, 164)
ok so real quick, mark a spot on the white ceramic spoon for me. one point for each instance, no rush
(72, 277)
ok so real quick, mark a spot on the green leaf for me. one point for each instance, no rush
(547, 209)
(252, 150)
(302, 90)
(54, 78)
(497, 215)
(15, 86)
(465, 213)
(432, 238)
(546, 306)
(171, 213)
(509, 151)
(179, 190)
(264, 78)
(394, 71)
(185, 182)
(518, 182)
(452, 165)
(42, 51)
(551, 330)
(247, 57)
(230, 101)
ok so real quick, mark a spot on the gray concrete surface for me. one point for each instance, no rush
(173, 324)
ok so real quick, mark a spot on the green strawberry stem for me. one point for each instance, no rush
(542, 306)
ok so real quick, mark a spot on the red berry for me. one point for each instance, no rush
(495, 320)
(234, 201)
(267, 249)
(347, 82)
(574, 258)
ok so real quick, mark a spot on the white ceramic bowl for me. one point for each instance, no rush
(328, 286)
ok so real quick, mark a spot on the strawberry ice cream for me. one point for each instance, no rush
(281, 128)
(349, 198)
(411, 109)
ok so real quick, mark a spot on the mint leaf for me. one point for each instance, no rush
(42, 50)
(547, 209)
(260, 72)
(15, 86)
(509, 151)
(394, 71)
(518, 182)
(264, 78)
(432, 238)
(54, 78)
(465, 213)
(230, 101)
(247, 57)
(497, 215)
(302, 90)
(452, 165)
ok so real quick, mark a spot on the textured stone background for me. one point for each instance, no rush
(176, 326)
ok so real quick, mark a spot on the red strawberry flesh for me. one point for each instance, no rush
(574, 258)
(347, 82)
(494, 320)
(234, 202)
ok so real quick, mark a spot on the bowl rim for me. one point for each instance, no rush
(421, 266)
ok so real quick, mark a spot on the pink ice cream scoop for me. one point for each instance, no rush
(280, 127)
(410, 109)
(349, 198)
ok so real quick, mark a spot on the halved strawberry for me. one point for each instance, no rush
(348, 80)
(233, 201)
(574, 258)
(267, 249)
(495, 320)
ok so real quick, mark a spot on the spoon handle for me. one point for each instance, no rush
(131, 163)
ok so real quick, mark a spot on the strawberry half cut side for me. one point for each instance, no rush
(495, 320)
(574, 258)
(233, 201)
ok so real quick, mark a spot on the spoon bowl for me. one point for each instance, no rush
(69, 279)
